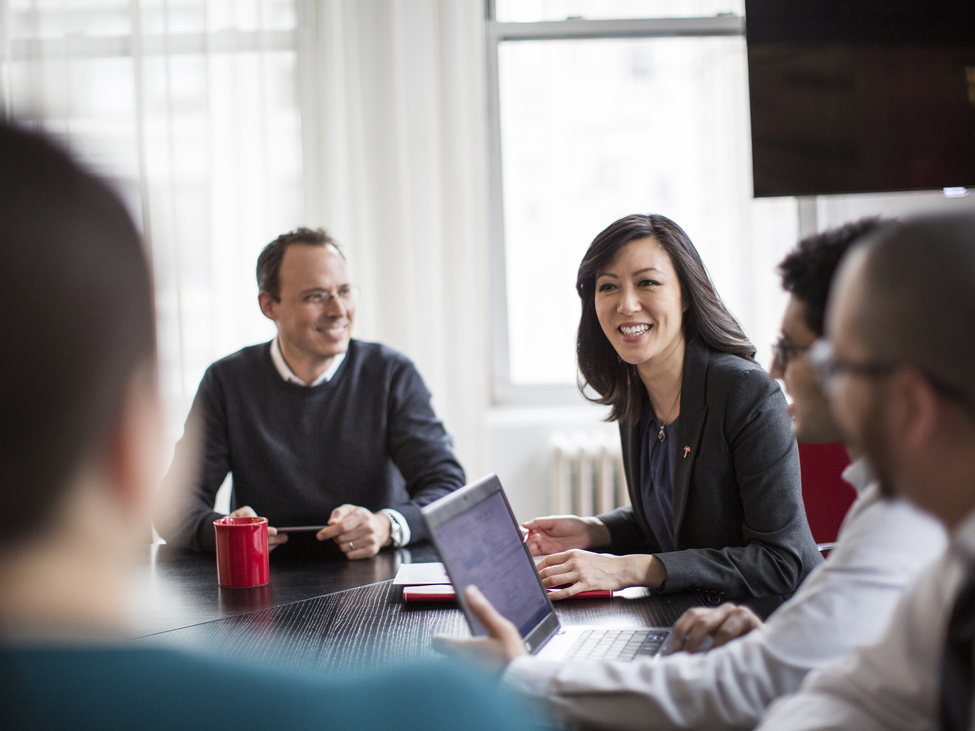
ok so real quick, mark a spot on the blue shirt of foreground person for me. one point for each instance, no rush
(79, 459)
(315, 427)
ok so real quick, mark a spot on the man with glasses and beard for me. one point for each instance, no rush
(899, 366)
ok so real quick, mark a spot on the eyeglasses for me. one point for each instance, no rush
(320, 298)
(783, 351)
(827, 366)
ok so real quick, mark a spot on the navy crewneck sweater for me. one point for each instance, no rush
(368, 436)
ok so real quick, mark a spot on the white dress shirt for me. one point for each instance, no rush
(895, 683)
(277, 357)
(395, 517)
(844, 603)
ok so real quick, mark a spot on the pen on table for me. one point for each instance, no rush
(301, 528)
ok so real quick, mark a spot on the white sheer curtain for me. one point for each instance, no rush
(394, 120)
(191, 107)
(227, 122)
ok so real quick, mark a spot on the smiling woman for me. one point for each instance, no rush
(711, 464)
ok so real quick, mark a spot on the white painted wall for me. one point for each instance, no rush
(517, 449)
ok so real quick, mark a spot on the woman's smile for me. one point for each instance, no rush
(634, 331)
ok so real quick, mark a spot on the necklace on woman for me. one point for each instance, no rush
(661, 436)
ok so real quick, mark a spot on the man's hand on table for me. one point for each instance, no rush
(502, 645)
(724, 623)
(274, 539)
(359, 532)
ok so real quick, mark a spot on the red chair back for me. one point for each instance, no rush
(824, 493)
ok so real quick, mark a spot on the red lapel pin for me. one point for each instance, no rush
(687, 451)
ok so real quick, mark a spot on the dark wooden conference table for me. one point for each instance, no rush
(333, 614)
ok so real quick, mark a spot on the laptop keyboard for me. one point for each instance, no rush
(616, 644)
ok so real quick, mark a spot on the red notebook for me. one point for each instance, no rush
(429, 593)
(445, 593)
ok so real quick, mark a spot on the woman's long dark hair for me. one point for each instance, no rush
(706, 318)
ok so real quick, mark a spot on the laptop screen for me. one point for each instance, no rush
(480, 544)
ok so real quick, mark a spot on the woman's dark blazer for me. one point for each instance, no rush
(738, 514)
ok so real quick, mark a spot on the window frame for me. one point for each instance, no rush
(504, 392)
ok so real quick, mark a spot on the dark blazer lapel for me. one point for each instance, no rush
(693, 411)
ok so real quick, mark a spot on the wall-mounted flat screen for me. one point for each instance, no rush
(852, 96)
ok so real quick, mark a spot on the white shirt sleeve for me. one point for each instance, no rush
(404, 527)
(717, 690)
(893, 684)
(845, 602)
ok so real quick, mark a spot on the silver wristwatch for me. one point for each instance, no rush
(395, 529)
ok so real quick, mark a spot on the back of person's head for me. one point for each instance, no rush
(77, 321)
(706, 317)
(918, 300)
(808, 270)
(269, 260)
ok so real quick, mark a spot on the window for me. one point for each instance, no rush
(191, 108)
(541, 10)
(597, 119)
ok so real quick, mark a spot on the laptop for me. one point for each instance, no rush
(480, 543)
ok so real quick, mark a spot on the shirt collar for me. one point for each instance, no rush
(287, 375)
(859, 473)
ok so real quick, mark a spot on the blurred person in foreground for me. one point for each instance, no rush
(899, 366)
(79, 460)
(846, 602)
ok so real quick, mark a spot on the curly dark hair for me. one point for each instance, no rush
(269, 262)
(808, 270)
(706, 318)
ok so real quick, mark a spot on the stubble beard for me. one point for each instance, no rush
(874, 445)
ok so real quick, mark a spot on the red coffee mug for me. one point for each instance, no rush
(242, 559)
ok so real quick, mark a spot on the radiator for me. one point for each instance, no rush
(586, 471)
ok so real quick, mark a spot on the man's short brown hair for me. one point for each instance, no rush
(269, 262)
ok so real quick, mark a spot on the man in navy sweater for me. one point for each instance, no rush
(315, 427)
